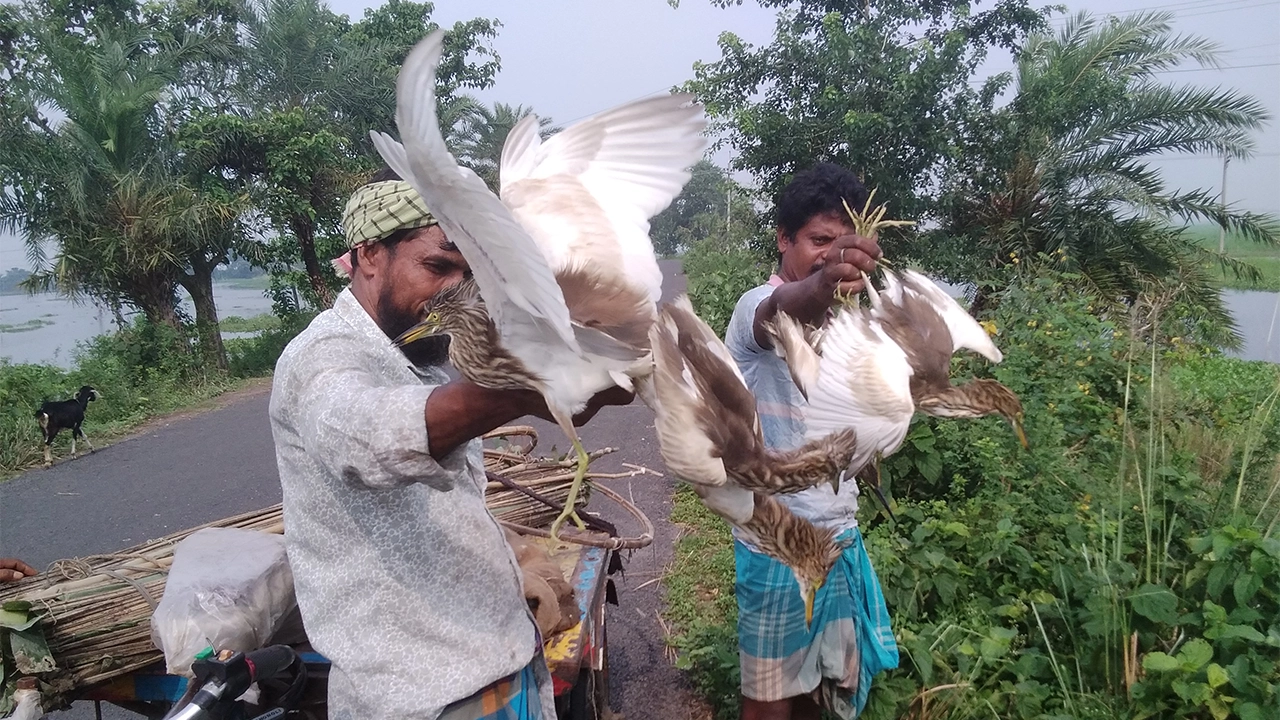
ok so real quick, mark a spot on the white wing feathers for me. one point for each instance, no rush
(965, 331)
(801, 358)
(519, 151)
(587, 193)
(687, 451)
(857, 350)
(510, 270)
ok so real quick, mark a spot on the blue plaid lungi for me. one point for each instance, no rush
(834, 660)
(514, 697)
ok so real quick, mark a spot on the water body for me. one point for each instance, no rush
(46, 328)
(58, 324)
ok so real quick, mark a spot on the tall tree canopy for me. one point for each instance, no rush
(879, 86)
(1065, 171)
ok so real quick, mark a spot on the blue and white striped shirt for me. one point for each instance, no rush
(781, 409)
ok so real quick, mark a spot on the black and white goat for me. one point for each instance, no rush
(68, 414)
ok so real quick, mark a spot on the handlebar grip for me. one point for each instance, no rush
(269, 661)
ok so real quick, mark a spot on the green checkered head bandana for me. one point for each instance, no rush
(378, 209)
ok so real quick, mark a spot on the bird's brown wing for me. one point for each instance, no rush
(728, 414)
(612, 306)
(922, 334)
(688, 451)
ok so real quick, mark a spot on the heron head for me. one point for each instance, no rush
(1005, 402)
(976, 399)
(431, 324)
(811, 571)
(809, 591)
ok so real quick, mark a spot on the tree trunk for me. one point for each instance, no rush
(158, 302)
(200, 285)
(305, 230)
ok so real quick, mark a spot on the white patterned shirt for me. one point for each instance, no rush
(405, 581)
(781, 409)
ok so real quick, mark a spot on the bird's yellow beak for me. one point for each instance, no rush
(1022, 435)
(810, 594)
(428, 327)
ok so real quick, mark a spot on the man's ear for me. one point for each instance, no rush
(372, 256)
(784, 241)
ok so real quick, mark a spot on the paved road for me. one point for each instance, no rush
(210, 466)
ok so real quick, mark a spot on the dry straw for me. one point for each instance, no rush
(96, 611)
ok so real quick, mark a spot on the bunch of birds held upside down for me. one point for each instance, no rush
(564, 299)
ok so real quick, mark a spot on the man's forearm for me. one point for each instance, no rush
(459, 411)
(806, 301)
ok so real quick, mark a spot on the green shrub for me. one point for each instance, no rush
(719, 273)
(257, 356)
(257, 323)
(1101, 574)
(139, 371)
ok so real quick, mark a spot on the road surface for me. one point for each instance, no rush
(198, 469)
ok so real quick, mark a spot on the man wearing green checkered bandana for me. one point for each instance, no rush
(406, 583)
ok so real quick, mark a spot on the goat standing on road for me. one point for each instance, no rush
(54, 416)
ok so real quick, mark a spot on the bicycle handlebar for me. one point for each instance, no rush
(226, 680)
(268, 662)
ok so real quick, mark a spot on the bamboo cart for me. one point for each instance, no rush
(94, 613)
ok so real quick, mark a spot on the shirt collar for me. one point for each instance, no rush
(350, 309)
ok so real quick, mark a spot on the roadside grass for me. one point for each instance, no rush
(141, 374)
(110, 419)
(701, 607)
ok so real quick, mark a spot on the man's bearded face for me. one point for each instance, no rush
(410, 273)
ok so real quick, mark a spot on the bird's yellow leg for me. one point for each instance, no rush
(578, 477)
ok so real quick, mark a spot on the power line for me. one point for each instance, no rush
(1061, 21)
(1214, 157)
(980, 81)
(1189, 4)
(1175, 7)
(1215, 12)
(1254, 47)
(1221, 67)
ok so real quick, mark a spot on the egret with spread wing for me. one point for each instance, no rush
(874, 367)
(563, 262)
(709, 436)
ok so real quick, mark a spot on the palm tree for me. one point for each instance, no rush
(480, 138)
(1071, 177)
(105, 184)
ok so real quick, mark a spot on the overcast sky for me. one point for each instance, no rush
(571, 58)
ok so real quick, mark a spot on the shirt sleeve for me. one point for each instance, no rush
(370, 434)
(740, 335)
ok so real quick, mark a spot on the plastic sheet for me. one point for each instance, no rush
(229, 589)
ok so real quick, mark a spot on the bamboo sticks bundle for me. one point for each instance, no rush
(96, 611)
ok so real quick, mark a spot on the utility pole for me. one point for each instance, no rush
(1222, 231)
(728, 203)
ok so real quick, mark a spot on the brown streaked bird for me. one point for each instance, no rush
(563, 260)
(709, 436)
(877, 366)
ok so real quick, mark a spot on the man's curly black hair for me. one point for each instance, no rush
(817, 190)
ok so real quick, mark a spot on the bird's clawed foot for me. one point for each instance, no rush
(847, 299)
(570, 512)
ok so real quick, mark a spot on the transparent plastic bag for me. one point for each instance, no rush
(229, 589)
